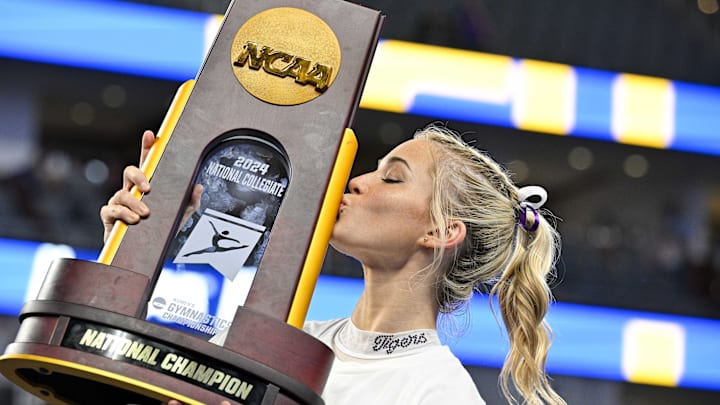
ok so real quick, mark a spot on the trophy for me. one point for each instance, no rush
(264, 128)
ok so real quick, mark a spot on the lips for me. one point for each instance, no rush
(343, 204)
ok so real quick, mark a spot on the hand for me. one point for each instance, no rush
(125, 206)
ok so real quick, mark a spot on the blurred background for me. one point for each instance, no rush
(638, 203)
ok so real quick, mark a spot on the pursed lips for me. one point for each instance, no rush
(343, 204)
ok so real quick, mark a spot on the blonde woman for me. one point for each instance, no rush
(435, 222)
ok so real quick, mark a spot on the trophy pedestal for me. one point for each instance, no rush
(71, 348)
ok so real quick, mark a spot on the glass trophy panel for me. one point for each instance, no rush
(212, 261)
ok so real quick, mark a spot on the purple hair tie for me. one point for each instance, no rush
(522, 220)
(523, 194)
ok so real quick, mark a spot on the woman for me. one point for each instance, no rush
(435, 222)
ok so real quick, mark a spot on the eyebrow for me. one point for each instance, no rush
(395, 159)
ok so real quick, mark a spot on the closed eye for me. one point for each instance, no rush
(391, 181)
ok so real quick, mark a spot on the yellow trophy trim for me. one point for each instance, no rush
(323, 229)
(163, 136)
(18, 361)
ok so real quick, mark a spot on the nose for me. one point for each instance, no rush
(357, 185)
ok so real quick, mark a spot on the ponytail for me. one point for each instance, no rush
(524, 298)
(509, 246)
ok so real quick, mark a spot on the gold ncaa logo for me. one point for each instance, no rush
(285, 56)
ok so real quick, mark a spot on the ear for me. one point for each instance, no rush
(456, 232)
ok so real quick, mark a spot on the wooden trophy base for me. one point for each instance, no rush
(68, 352)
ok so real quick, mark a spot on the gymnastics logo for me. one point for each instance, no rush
(222, 241)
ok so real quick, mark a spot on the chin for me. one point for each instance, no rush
(334, 245)
(338, 246)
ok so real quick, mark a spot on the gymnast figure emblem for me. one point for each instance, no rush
(217, 239)
(220, 240)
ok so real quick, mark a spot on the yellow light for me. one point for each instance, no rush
(653, 352)
(544, 97)
(643, 111)
(708, 6)
(402, 70)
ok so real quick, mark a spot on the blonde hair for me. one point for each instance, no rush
(497, 253)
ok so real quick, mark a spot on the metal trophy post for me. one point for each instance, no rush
(264, 129)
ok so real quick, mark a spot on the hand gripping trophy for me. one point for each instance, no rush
(264, 129)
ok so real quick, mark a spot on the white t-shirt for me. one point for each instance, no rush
(408, 368)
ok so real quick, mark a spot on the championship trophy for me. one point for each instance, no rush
(264, 129)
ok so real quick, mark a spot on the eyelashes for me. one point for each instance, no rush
(390, 180)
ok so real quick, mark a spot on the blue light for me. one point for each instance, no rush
(459, 109)
(334, 297)
(594, 104)
(16, 260)
(116, 36)
(702, 361)
(479, 340)
(591, 333)
(697, 118)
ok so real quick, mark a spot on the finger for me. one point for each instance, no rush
(128, 200)
(112, 213)
(133, 176)
(124, 206)
(195, 197)
(194, 202)
(148, 140)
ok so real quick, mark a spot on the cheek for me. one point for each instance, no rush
(387, 213)
(391, 225)
(411, 212)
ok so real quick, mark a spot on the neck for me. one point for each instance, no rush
(394, 301)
